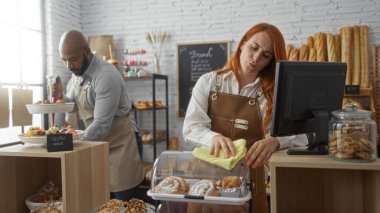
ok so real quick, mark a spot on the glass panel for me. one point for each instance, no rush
(31, 56)
(9, 55)
(8, 12)
(30, 15)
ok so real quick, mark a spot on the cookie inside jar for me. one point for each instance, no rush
(352, 135)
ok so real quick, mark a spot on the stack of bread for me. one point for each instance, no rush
(349, 46)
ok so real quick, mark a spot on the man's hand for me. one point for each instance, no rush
(218, 142)
(261, 151)
(57, 92)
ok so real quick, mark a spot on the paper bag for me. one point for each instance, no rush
(4, 108)
(20, 114)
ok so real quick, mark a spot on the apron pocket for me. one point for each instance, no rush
(223, 125)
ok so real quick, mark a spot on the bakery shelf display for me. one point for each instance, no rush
(350, 45)
(80, 175)
(156, 140)
(180, 177)
(135, 60)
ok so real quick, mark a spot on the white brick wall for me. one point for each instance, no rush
(60, 16)
(205, 20)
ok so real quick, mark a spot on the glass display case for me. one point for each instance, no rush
(179, 176)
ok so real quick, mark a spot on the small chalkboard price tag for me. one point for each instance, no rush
(59, 142)
(352, 89)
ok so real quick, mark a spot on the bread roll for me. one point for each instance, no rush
(310, 42)
(365, 76)
(294, 55)
(320, 43)
(304, 53)
(338, 47)
(356, 56)
(331, 50)
(312, 54)
(288, 48)
(346, 38)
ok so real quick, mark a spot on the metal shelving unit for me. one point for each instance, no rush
(154, 109)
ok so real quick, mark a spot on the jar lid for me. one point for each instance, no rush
(351, 111)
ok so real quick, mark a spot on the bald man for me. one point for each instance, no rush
(99, 92)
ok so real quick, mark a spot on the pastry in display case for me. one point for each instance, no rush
(179, 176)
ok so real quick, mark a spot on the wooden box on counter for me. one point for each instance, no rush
(82, 175)
(316, 183)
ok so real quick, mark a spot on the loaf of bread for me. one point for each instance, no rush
(338, 47)
(288, 48)
(364, 59)
(310, 42)
(312, 54)
(320, 44)
(294, 54)
(331, 50)
(356, 69)
(346, 38)
(304, 53)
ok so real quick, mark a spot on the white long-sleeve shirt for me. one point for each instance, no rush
(197, 124)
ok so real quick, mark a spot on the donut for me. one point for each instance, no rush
(172, 185)
(204, 187)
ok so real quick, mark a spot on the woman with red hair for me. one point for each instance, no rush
(236, 102)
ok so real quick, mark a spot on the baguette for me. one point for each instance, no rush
(294, 54)
(320, 43)
(310, 42)
(312, 54)
(331, 50)
(346, 52)
(356, 59)
(304, 53)
(288, 48)
(363, 31)
(338, 47)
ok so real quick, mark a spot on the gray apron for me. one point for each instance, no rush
(124, 162)
(237, 117)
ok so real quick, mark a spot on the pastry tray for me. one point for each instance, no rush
(42, 140)
(183, 164)
(50, 108)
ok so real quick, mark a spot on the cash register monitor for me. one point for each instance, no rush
(305, 94)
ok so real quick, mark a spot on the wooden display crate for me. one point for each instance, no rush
(81, 173)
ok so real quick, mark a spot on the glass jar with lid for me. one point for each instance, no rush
(352, 135)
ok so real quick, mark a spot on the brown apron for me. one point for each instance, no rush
(237, 117)
(124, 161)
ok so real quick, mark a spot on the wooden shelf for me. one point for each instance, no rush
(81, 173)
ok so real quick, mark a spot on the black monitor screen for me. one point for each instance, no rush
(305, 93)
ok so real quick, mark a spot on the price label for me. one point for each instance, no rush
(60, 142)
(352, 89)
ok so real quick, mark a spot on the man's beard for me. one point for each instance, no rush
(83, 67)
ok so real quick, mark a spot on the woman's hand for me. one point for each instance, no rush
(219, 141)
(260, 152)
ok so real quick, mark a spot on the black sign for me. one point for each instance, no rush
(352, 89)
(59, 142)
(194, 60)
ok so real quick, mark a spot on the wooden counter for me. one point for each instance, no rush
(81, 173)
(310, 183)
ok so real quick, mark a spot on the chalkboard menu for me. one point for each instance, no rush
(194, 60)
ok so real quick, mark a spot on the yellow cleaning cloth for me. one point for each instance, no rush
(203, 153)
